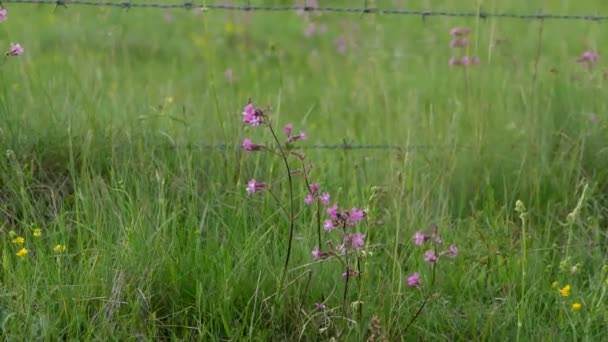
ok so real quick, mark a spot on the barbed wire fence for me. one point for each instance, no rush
(341, 146)
(424, 14)
(189, 5)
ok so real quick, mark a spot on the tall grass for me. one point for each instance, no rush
(100, 121)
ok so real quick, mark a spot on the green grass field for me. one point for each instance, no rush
(103, 124)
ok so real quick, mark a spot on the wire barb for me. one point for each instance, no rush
(288, 8)
(126, 5)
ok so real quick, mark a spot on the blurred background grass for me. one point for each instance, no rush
(98, 116)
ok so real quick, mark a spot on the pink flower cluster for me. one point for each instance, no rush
(414, 280)
(313, 28)
(464, 61)
(16, 49)
(314, 194)
(248, 145)
(460, 31)
(341, 44)
(431, 256)
(345, 218)
(254, 186)
(460, 41)
(252, 116)
(288, 129)
(589, 58)
(351, 242)
(307, 11)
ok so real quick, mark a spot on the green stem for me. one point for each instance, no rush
(416, 315)
(520, 311)
(291, 203)
(347, 272)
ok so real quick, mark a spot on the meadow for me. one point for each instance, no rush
(124, 205)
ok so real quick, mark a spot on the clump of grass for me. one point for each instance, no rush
(116, 219)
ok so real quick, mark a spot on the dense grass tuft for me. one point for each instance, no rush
(103, 122)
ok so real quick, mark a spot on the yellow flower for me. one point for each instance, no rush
(22, 253)
(576, 306)
(37, 232)
(565, 291)
(59, 249)
(19, 240)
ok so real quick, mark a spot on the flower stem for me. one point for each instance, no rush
(318, 203)
(521, 306)
(416, 315)
(291, 205)
(347, 272)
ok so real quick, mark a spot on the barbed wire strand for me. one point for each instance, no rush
(343, 146)
(189, 5)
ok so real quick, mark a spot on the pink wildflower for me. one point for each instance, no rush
(328, 225)
(356, 215)
(333, 211)
(310, 30)
(15, 50)
(299, 136)
(229, 75)
(324, 198)
(253, 186)
(459, 32)
(316, 254)
(288, 128)
(590, 57)
(414, 280)
(358, 240)
(459, 43)
(430, 256)
(314, 188)
(252, 116)
(308, 200)
(350, 273)
(452, 252)
(466, 61)
(3, 14)
(420, 238)
(341, 45)
(250, 146)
